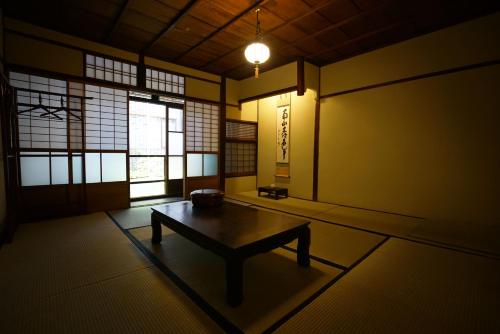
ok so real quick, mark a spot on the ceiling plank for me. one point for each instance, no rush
(286, 23)
(227, 24)
(116, 22)
(321, 31)
(171, 25)
(357, 39)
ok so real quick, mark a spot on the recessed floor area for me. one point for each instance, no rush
(87, 274)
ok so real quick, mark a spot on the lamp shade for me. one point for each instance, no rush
(257, 53)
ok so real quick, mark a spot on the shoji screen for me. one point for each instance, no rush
(202, 138)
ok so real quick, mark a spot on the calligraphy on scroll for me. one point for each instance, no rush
(283, 133)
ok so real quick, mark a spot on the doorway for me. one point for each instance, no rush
(156, 145)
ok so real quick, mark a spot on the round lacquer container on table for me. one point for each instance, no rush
(207, 197)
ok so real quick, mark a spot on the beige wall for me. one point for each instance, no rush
(468, 43)
(240, 184)
(202, 89)
(181, 69)
(427, 147)
(34, 30)
(38, 54)
(278, 78)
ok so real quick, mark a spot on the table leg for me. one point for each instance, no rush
(303, 247)
(234, 281)
(156, 226)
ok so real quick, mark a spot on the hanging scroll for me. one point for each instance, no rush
(283, 133)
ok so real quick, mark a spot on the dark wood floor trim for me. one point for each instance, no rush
(309, 300)
(269, 94)
(416, 77)
(196, 298)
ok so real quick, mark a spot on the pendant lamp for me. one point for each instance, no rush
(257, 52)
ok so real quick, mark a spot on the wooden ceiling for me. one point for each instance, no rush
(211, 35)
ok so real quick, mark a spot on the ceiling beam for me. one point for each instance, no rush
(257, 4)
(116, 22)
(171, 25)
(286, 23)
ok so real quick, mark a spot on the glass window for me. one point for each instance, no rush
(209, 164)
(147, 169)
(175, 143)
(175, 119)
(175, 168)
(147, 128)
(92, 167)
(35, 171)
(114, 167)
(194, 165)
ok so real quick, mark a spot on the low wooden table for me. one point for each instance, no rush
(274, 191)
(234, 232)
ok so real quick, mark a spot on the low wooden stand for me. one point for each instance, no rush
(276, 192)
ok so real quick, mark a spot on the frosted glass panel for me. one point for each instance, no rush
(77, 169)
(175, 143)
(147, 189)
(114, 167)
(175, 168)
(92, 167)
(209, 164)
(175, 119)
(194, 165)
(60, 173)
(35, 171)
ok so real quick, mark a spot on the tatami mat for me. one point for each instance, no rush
(405, 287)
(47, 258)
(471, 235)
(274, 284)
(290, 204)
(380, 222)
(82, 275)
(337, 244)
(139, 302)
(133, 217)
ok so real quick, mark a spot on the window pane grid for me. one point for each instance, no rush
(45, 126)
(202, 127)
(241, 149)
(103, 68)
(164, 81)
(242, 131)
(106, 118)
